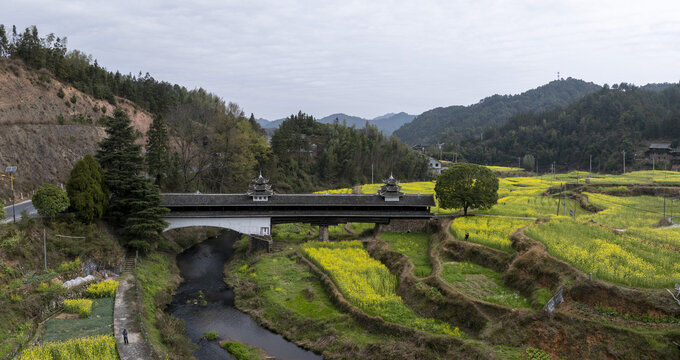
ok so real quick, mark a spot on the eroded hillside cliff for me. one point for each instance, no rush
(46, 126)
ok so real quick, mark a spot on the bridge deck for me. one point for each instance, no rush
(288, 200)
(320, 209)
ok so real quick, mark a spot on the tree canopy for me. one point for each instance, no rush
(50, 200)
(602, 124)
(80, 70)
(465, 186)
(311, 155)
(134, 202)
(454, 123)
(86, 189)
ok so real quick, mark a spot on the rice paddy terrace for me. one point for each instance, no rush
(605, 241)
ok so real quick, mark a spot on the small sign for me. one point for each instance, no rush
(11, 169)
(554, 302)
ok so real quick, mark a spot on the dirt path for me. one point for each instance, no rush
(124, 317)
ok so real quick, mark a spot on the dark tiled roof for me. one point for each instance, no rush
(660, 146)
(170, 200)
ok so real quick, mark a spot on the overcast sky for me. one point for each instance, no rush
(366, 58)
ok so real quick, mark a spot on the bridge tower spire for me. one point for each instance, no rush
(260, 189)
(391, 191)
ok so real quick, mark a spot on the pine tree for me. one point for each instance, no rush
(121, 160)
(86, 189)
(145, 223)
(4, 43)
(157, 150)
(135, 202)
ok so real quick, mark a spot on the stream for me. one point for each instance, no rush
(201, 268)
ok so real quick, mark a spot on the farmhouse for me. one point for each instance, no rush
(659, 152)
(437, 166)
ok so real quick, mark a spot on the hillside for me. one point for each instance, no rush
(454, 123)
(602, 124)
(386, 123)
(44, 134)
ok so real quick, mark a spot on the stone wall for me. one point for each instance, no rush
(410, 225)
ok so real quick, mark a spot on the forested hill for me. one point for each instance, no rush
(85, 74)
(312, 155)
(602, 124)
(454, 123)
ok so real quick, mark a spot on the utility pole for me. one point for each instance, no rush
(45, 248)
(559, 199)
(652, 165)
(624, 161)
(11, 170)
(519, 162)
(590, 169)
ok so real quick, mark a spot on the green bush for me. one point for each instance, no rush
(537, 354)
(241, 351)
(69, 266)
(50, 200)
(211, 335)
(60, 93)
(73, 99)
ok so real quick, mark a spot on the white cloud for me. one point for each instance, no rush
(366, 58)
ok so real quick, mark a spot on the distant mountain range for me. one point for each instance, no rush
(387, 123)
(455, 123)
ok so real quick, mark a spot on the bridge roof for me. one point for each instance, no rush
(190, 199)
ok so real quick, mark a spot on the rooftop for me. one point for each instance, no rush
(209, 200)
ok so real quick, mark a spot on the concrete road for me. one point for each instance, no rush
(19, 208)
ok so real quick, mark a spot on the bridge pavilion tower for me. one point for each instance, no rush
(391, 191)
(260, 189)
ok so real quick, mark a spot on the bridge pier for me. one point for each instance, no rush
(323, 232)
(257, 243)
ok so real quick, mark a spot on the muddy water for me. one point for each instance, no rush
(201, 267)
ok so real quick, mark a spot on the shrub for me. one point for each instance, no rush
(83, 307)
(50, 200)
(106, 288)
(73, 99)
(49, 288)
(537, 354)
(211, 335)
(69, 266)
(60, 93)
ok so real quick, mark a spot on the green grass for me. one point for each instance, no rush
(100, 322)
(611, 256)
(414, 245)
(154, 276)
(241, 351)
(542, 296)
(509, 352)
(361, 227)
(482, 283)
(288, 290)
(294, 233)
